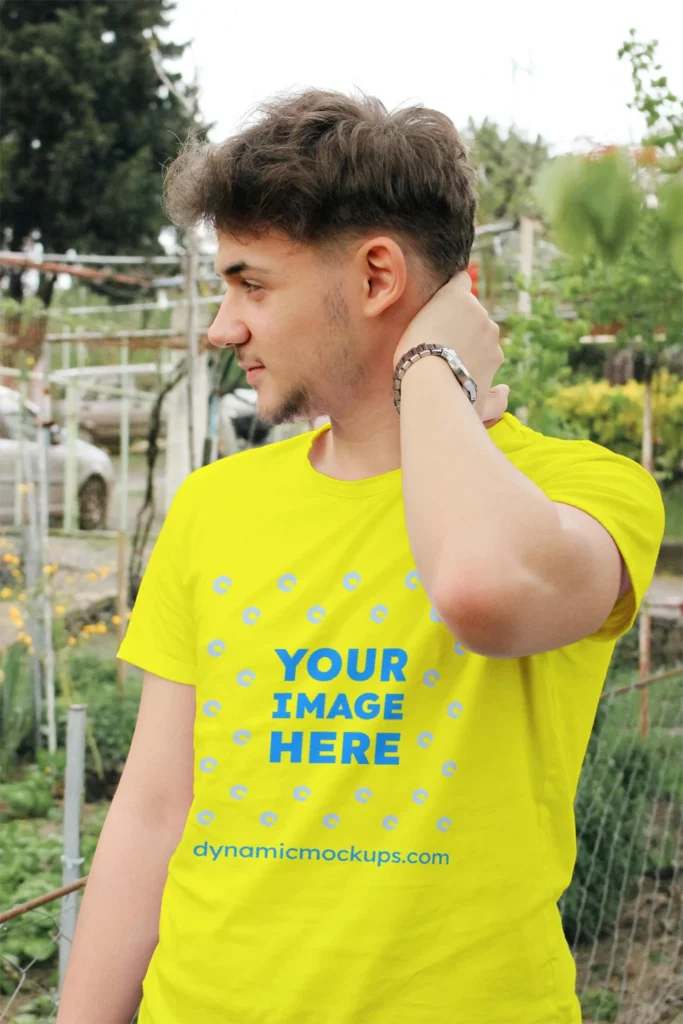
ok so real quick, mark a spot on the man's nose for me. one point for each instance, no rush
(227, 329)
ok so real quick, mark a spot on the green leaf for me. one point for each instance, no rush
(676, 252)
(40, 949)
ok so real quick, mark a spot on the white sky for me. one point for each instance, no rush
(449, 55)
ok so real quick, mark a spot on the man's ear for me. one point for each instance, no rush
(383, 273)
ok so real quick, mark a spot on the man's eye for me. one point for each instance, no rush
(250, 287)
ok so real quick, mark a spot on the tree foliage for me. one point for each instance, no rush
(86, 124)
(618, 215)
(507, 166)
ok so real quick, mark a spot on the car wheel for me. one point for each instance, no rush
(92, 504)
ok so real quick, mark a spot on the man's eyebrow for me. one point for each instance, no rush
(238, 268)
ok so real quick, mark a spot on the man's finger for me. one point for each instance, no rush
(463, 280)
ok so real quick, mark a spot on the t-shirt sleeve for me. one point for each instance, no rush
(160, 633)
(626, 500)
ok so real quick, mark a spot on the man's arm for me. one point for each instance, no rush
(509, 571)
(118, 921)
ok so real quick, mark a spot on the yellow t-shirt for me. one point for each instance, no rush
(382, 823)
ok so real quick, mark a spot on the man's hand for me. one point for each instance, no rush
(453, 317)
(496, 404)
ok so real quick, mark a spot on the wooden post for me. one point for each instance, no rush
(526, 261)
(644, 637)
(646, 459)
(645, 626)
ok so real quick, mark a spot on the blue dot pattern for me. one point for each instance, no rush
(245, 677)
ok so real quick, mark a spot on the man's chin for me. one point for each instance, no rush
(294, 407)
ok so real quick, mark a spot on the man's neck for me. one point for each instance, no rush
(365, 443)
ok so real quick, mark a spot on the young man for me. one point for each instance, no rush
(373, 652)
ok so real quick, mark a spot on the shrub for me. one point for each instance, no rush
(613, 417)
(111, 720)
(599, 1004)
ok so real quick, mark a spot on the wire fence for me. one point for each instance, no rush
(622, 914)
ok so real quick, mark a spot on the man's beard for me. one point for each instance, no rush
(294, 407)
(340, 366)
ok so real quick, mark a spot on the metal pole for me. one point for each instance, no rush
(19, 464)
(32, 556)
(66, 355)
(73, 392)
(192, 346)
(44, 443)
(71, 858)
(123, 510)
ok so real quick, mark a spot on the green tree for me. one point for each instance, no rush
(507, 166)
(537, 348)
(619, 217)
(86, 126)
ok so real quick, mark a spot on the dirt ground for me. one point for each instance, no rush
(87, 566)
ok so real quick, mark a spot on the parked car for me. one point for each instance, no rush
(239, 406)
(94, 470)
(99, 418)
(241, 427)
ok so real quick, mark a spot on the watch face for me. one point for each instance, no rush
(462, 374)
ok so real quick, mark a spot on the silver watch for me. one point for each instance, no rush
(452, 358)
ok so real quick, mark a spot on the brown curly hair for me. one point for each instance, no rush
(322, 167)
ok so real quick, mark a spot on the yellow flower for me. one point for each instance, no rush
(72, 640)
(20, 636)
(16, 572)
(92, 575)
(49, 569)
(104, 571)
(116, 619)
(21, 597)
(59, 609)
(7, 558)
(47, 769)
(5, 592)
(27, 640)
